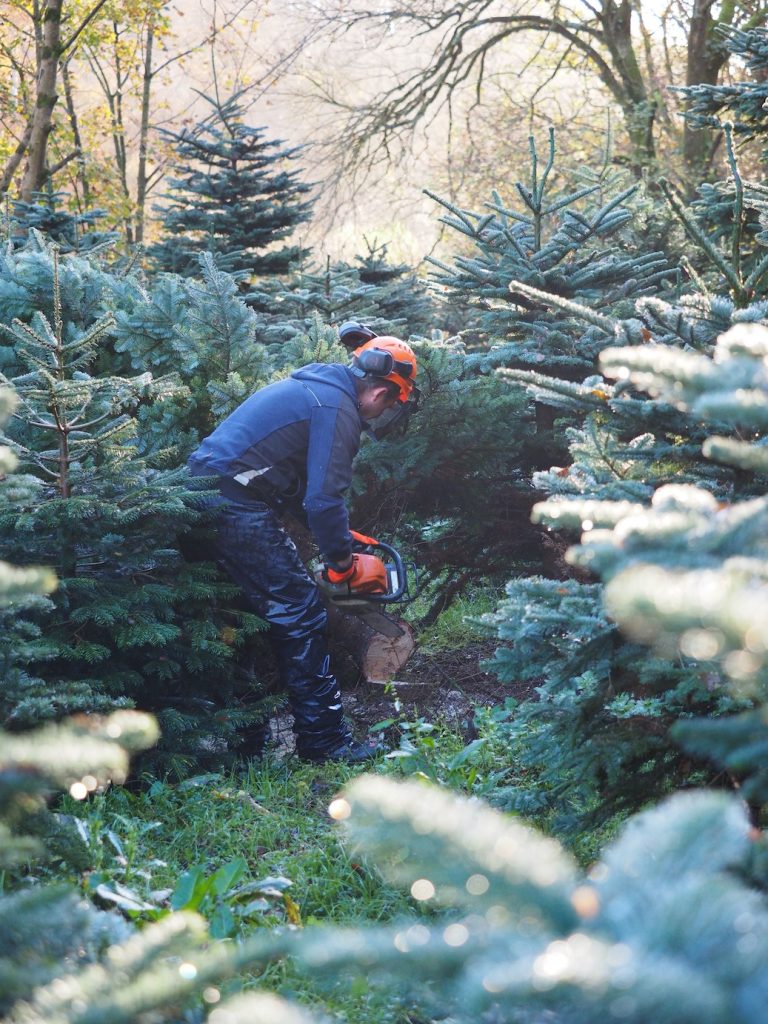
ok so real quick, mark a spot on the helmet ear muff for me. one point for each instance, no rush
(388, 358)
(375, 361)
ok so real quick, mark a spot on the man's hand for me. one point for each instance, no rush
(339, 574)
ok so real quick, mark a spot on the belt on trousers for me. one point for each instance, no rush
(261, 492)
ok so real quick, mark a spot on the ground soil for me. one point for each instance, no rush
(442, 686)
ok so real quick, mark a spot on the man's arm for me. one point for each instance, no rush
(334, 438)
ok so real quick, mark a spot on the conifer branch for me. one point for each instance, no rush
(695, 233)
(567, 306)
(737, 229)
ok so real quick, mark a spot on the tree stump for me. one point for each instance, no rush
(359, 653)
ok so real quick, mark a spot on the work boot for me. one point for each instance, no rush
(349, 750)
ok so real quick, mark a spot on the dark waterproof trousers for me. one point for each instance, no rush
(261, 558)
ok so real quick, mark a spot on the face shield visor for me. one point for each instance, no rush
(394, 422)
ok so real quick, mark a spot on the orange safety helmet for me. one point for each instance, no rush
(388, 358)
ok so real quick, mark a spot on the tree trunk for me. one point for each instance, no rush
(82, 175)
(45, 101)
(705, 60)
(146, 93)
(15, 159)
(638, 106)
(359, 654)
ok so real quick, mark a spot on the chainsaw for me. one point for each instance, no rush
(386, 587)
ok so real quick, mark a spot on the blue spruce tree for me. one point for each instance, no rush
(232, 194)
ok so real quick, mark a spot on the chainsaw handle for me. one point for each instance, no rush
(394, 561)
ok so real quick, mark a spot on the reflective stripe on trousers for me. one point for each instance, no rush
(261, 558)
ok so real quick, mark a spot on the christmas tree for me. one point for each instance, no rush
(404, 296)
(234, 195)
(61, 958)
(599, 739)
(665, 926)
(46, 212)
(131, 621)
(644, 487)
(574, 244)
(199, 330)
(334, 291)
(742, 103)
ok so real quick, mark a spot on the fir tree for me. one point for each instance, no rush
(569, 245)
(22, 591)
(335, 292)
(404, 296)
(742, 103)
(131, 621)
(232, 195)
(600, 734)
(694, 580)
(519, 933)
(201, 331)
(60, 957)
(46, 213)
(48, 931)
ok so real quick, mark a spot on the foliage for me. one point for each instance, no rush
(48, 931)
(525, 934)
(452, 487)
(567, 245)
(429, 751)
(595, 738)
(232, 196)
(22, 590)
(131, 621)
(335, 292)
(201, 331)
(605, 724)
(741, 103)
(256, 854)
(47, 213)
(403, 295)
(59, 955)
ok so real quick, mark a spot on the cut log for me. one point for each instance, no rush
(385, 656)
(359, 653)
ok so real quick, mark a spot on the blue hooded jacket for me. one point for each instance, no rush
(296, 438)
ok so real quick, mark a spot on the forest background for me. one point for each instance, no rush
(582, 490)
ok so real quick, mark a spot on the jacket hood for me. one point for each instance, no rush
(335, 374)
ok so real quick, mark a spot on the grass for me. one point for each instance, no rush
(246, 834)
(257, 849)
(456, 627)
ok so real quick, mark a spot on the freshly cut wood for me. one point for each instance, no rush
(385, 655)
(359, 653)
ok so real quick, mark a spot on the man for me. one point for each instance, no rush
(289, 448)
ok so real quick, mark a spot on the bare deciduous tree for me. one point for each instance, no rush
(463, 38)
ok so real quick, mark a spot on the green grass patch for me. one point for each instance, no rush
(457, 626)
(248, 850)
